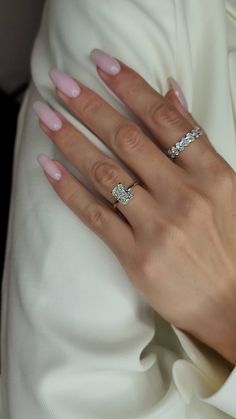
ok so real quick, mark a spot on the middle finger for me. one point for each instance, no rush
(101, 171)
(124, 137)
(164, 121)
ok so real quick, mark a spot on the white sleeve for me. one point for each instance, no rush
(209, 376)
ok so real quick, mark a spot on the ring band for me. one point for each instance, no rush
(184, 142)
(122, 194)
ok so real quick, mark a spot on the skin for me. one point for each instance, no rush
(179, 230)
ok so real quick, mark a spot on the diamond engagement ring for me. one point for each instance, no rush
(123, 194)
(184, 142)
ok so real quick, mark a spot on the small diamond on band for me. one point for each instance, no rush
(184, 142)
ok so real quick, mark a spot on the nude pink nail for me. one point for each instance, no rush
(49, 167)
(65, 83)
(47, 116)
(178, 92)
(106, 62)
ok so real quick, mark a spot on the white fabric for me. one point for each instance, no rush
(78, 341)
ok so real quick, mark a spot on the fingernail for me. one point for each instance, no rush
(65, 83)
(49, 167)
(47, 116)
(178, 91)
(106, 62)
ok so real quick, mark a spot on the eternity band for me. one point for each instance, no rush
(123, 194)
(184, 142)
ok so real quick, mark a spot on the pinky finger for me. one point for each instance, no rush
(102, 220)
(173, 95)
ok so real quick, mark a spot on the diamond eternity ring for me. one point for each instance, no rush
(184, 142)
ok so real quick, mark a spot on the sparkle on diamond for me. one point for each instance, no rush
(184, 141)
(122, 194)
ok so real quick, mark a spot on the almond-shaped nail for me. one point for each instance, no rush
(65, 83)
(47, 116)
(49, 167)
(106, 62)
(178, 92)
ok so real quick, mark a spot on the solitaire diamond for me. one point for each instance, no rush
(122, 194)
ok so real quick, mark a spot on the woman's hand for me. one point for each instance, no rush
(176, 238)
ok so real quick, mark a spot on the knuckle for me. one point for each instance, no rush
(129, 85)
(71, 197)
(169, 235)
(147, 265)
(66, 138)
(164, 232)
(165, 115)
(69, 144)
(94, 216)
(105, 172)
(196, 206)
(91, 105)
(225, 180)
(128, 137)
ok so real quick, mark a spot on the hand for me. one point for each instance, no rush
(176, 238)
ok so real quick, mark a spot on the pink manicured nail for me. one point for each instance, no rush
(178, 91)
(65, 83)
(105, 61)
(49, 167)
(47, 116)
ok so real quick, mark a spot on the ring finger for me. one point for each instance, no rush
(101, 171)
(92, 212)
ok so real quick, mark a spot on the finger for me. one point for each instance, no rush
(101, 171)
(119, 133)
(162, 118)
(102, 220)
(174, 100)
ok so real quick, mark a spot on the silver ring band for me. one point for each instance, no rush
(123, 194)
(181, 144)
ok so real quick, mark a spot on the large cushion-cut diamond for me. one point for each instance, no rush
(122, 194)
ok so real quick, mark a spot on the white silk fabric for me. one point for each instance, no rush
(78, 341)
